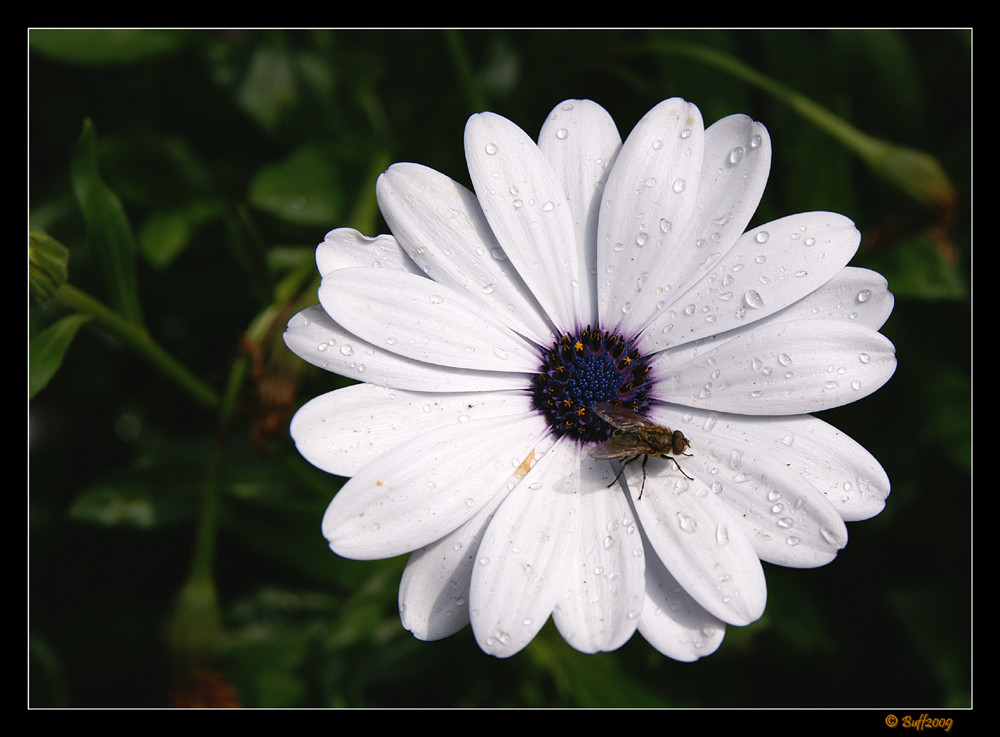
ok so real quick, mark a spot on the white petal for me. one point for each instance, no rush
(442, 227)
(581, 142)
(855, 295)
(346, 248)
(673, 622)
(527, 209)
(526, 552)
(434, 590)
(649, 198)
(313, 336)
(343, 430)
(605, 587)
(778, 368)
(734, 171)
(787, 519)
(700, 543)
(850, 478)
(418, 318)
(430, 486)
(769, 268)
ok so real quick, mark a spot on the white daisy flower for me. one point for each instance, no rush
(489, 328)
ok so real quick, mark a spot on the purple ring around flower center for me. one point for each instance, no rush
(580, 369)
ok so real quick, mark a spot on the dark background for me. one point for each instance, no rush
(233, 152)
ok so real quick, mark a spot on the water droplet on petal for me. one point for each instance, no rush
(688, 524)
(753, 299)
(491, 148)
(722, 536)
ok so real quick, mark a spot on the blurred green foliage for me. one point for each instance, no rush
(190, 174)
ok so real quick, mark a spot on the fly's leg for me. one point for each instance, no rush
(671, 458)
(621, 470)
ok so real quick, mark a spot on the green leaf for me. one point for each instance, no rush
(108, 227)
(46, 351)
(302, 189)
(153, 494)
(103, 46)
(921, 268)
(166, 234)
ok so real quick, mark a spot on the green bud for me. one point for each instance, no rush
(48, 261)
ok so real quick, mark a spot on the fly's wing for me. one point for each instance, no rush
(620, 417)
(612, 448)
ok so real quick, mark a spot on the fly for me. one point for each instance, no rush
(634, 436)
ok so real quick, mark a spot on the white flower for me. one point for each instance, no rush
(583, 269)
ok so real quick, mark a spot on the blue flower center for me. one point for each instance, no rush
(584, 368)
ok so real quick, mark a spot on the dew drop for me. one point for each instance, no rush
(346, 350)
(864, 295)
(721, 536)
(762, 236)
(679, 185)
(736, 156)
(753, 299)
(562, 134)
(830, 536)
(688, 524)
(491, 148)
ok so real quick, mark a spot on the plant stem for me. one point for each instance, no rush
(136, 338)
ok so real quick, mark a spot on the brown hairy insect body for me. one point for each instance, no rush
(634, 436)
